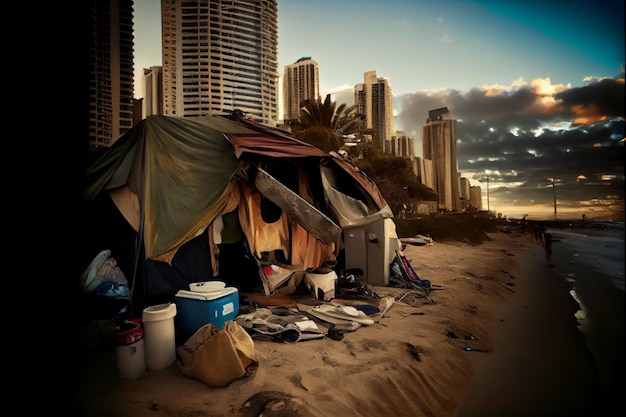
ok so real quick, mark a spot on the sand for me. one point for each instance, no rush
(541, 365)
(498, 298)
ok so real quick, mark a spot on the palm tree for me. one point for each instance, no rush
(343, 119)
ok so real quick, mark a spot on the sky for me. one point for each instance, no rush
(536, 87)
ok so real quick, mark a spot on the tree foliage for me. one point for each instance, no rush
(342, 119)
(322, 123)
(393, 175)
(320, 137)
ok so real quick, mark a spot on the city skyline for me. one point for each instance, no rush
(514, 74)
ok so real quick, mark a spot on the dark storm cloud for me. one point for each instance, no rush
(602, 98)
(522, 134)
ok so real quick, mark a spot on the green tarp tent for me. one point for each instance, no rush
(171, 179)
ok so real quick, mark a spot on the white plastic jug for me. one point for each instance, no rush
(160, 341)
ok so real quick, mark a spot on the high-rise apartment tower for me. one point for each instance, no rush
(374, 100)
(476, 197)
(301, 81)
(220, 55)
(111, 75)
(153, 91)
(440, 158)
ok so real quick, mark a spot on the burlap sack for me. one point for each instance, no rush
(217, 356)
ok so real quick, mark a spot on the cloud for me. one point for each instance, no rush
(522, 106)
(526, 132)
(445, 37)
(604, 98)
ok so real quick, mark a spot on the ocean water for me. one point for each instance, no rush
(591, 261)
(600, 249)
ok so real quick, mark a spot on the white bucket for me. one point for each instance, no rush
(131, 360)
(129, 351)
(322, 286)
(160, 340)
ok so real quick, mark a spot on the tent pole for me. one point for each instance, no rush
(137, 255)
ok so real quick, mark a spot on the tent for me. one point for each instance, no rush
(183, 200)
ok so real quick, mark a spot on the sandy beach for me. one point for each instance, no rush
(496, 336)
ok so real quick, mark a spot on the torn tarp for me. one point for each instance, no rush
(403, 275)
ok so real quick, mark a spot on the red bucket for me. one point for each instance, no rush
(129, 332)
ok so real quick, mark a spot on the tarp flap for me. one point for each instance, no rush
(347, 209)
(187, 169)
(350, 180)
(177, 167)
(264, 140)
(109, 167)
(310, 218)
(353, 203)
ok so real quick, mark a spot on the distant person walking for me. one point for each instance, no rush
(547, 244)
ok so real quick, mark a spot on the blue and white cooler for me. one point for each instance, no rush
(204, 303)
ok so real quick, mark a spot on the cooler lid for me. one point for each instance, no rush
(205, 296)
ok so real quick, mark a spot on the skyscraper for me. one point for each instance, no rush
(153, 91)
(440, 158)
(401, 145)
(220, 55)
(301, 81)
(476, 197)
(111, 81)
(374, 100)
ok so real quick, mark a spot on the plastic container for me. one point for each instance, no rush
(322, 286)
(160, 339)
(371, 248)
(129, 349)
(195, 309)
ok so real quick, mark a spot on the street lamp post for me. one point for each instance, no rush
(488, 209)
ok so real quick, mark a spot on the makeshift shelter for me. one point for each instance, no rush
(183, 200)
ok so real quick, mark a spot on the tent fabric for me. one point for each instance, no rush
(298, 208)
(174, 175)
(171, 177)
(169, 164)
(263, 236)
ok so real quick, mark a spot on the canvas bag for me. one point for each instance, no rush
(217, 356)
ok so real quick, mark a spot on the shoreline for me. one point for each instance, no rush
(600, 294)
(541, 364)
